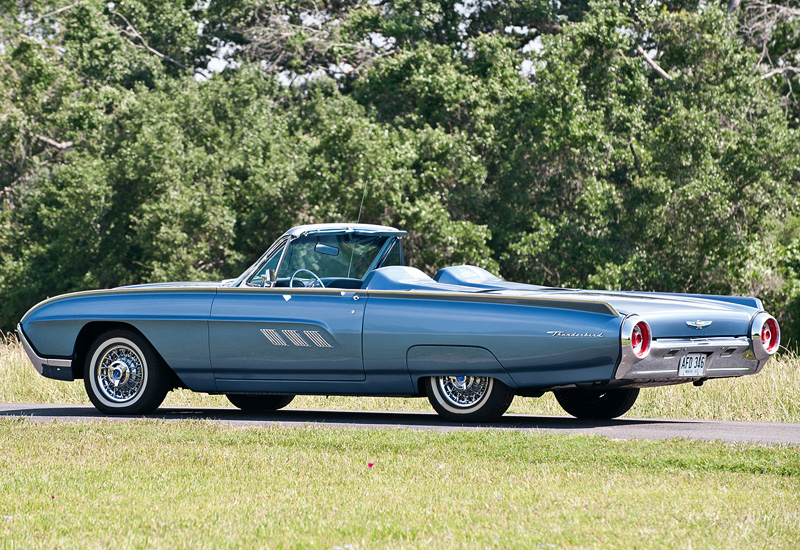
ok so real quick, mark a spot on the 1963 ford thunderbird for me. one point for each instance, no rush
(330, 309)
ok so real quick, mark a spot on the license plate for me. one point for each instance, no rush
(692, 364)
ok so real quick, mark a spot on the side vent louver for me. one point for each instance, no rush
(295, 338)
(273, 337)
(317, 339)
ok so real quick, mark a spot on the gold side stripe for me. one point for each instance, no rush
(595, 306)
(598, 306)
(576, 304)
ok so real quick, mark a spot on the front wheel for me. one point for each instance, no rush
(123, 374)
(468, 398)
(255, 403)
(597, 404)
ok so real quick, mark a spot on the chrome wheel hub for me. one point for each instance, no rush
(120, 373)
(463, 391)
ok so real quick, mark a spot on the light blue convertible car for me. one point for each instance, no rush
(330, 309)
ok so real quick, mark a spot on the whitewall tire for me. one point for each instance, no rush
(468, 398)
(123, 375)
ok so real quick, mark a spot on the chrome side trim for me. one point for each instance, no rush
(273, 337)
(39, 363)
(295, 338)
(725, 357)
(317, 339)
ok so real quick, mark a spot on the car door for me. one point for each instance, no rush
(287, 334)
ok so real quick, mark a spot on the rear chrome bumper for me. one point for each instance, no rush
(725, 357)
(58, 369)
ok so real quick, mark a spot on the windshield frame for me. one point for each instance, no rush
(282, 244)
(244, 278)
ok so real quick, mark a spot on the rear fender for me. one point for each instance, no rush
(427, 361)
(738, 300)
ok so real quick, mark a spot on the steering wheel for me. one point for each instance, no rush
(317, 279)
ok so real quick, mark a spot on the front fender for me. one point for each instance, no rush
(173, 320)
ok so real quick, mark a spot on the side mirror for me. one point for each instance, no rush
(269, 279)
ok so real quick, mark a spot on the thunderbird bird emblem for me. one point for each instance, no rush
(699, 324)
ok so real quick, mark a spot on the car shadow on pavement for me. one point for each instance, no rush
(365, 419)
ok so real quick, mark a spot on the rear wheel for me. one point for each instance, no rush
(254, 402)
(123, 374)
(597, 404)
(468, 398)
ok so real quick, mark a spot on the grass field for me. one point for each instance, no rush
(151, 484)
(771, 396)
(193, 484)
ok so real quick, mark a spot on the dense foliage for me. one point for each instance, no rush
(622, 144)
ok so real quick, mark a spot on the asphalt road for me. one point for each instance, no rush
(623, 428)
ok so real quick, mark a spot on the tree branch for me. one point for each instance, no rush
(653, 64)
(58, 145)
(779, 70)
(784, 11)
(52, 13)
(282, 38)
(135, 34)
(27, 26)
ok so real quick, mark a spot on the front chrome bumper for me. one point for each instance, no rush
(58, 369)
(725, 357)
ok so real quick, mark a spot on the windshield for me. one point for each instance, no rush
(341, 256)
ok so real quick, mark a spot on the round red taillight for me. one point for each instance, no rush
(770, 336)
(765, 334)
(640, 339)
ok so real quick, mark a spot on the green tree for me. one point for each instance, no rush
(622, 144)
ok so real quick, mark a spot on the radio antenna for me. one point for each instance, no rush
(362, 202)
(358, 220)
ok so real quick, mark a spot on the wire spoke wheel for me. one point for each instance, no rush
(468, 398)
(464, 391)
(124, 375)
(120, 373)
